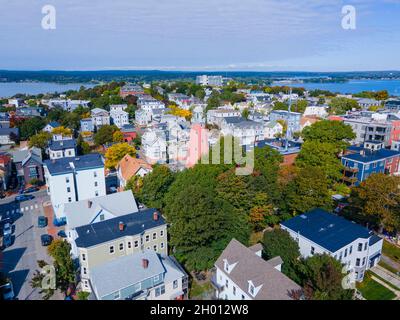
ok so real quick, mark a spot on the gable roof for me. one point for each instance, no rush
(250, 267)
(24, 155)
(53, 124)
(83, 212)
(370, 156)
(129, 166)
(326, 229)
(62, 144)
(108, 230)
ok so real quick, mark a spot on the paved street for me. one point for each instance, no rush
(20, 259)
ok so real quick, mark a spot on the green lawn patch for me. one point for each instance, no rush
(372, 290)
(388, 267)
(198, 290)
(385, 281)
(391, 251)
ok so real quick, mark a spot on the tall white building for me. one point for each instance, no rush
(74, 179)
(206, 80)
(119, 118)
(100, 117)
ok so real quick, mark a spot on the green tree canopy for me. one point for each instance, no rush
(105, 134)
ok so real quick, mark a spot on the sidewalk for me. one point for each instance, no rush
(387, 275)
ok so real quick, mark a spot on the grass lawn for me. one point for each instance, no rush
(388, 267)
(391, 251)
(197, 290)
(385, 281)
(372, 290)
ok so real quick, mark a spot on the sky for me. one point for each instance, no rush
(259, 35)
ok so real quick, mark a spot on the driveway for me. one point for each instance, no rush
(20, 259)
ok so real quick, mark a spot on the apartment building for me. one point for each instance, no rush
(111, 239)
(100, 117)
(246, 131)
(61, 147)
(319, 232)
(74, 179)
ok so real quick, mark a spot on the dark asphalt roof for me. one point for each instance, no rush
(326, 229)
(108, 230)
(374, 239)
(62, 145)
(371, 156)
(61, 166)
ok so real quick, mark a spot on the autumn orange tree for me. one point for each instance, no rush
(118, 136)
(176, 111)
(116, 152)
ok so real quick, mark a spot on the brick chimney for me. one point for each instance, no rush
(145, 263)
(155, 215)
(121, 226)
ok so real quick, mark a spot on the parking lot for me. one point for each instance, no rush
(19, 261)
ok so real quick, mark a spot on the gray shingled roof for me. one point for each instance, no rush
(250, 267)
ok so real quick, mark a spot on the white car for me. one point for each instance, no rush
(7, 229)
(8, 291)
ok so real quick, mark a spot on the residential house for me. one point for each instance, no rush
(74, 179)
(8, 135)
(5, 171)
(316, 111)
(367, 103)
(29, 165)
(360, 162)
(392, 105)
(154, 145)
(119, 117)
(4, 120)
(87, 125)
(51, 126)
(216, 116)
(129, 133)
(242, 274)
(89, 211)
(319, 232)
(66, 104)
(101, 242)
(129, 167)
(247, 131)
(61, 147)
(100, 117)
(141, 276)
(272, 129)
(292, 120)
(130, 90)
(307, 121)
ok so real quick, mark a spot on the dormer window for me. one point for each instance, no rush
(251, 289)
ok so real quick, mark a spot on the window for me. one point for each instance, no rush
(357, 262)
(111, 249)
(121, 246)
(160, 290)
(360, 247)
(155, 247)
(95, 174)
(67, 180)
(154, 236)
(365, 246)
(234, 290)
(251, 290)
(340, 255)
(69, 199)
(147, 238)
(156, 278)
(175, 284)
(116, 295)
(83, 257)
(351, 250)
(312, 250)
(102, 217)
(68, 189)
(345, 253)
(96, 193)
(95, 184)
(162, 245)
(227, 283)
(363, 261)
(242, 297)
(136, 244)
(129, 245)
(84, 271)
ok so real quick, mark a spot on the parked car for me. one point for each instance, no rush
(62, 234)
(42, 222)
(7, 229)
(31, 189)
(46, 239)
(24, 197)
(8, 291)
(7, 240)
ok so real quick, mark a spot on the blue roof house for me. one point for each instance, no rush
(319, 232)
(372, 157)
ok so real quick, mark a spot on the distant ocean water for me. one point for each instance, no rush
(353, 86)
(9, 89)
